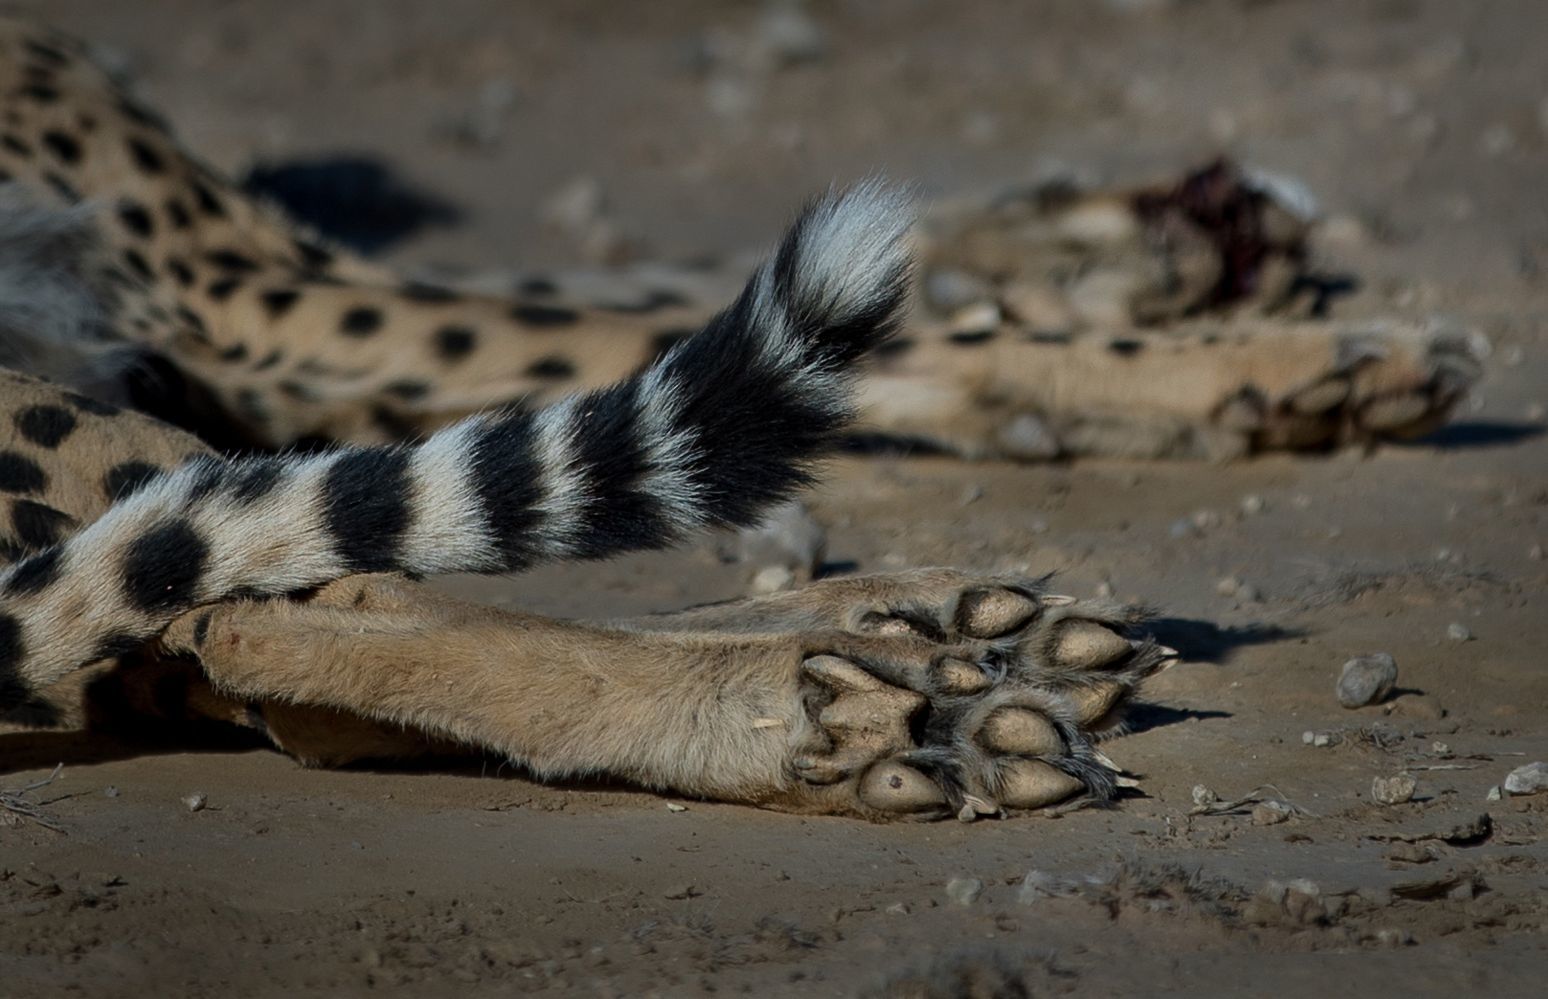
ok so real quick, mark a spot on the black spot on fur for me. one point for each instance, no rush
(415, 291)
(231, 260)
(45, 425)
(135, 261)
(256, 478)
(537, 287)
(654, 301)
(361, 321)
(45, 52)
(896, 347)
(550, 367)
(181, 272)
(115, 644)
(20, 474)
(178, 215)
(34, 574)
(544, 315)
(1056, 338)
(249, 403)
(209, 474)
(96, 407)
(145, 157)
(162, 567)
(193, 321)
(365, 497)
(15, 145)
(299, 391)
(234, 353)
(313, 256)
(277, 301)
(12, 689)
(507, 475)
(223, 289)
(1125, 348)
(269, 360)
(127, 477)
(202, 628)
(409, 390)
(393, 423)
(38, 525)
(971, 338)
(40, 92)
(135, 218)
(454, 342)
(62, 187)
(208, 203)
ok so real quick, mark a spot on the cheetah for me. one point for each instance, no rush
(387, 429)
(287, 579)
(261, 336)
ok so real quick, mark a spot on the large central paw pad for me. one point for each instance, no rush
(991, 699)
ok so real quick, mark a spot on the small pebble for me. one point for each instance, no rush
(1227, 586)
(681, 892)
(1494, 794)
(110, 791)
(1366, 680)
(673, 806)
(1393, 790)
(1203, 795)
(196, 802)
(1457, 632)
(898, 909)
(1270, 813)
(1252, 504)
(1528, 779)
(1535, 553)
(964, 891)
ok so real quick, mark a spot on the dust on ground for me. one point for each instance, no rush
(1423, 129)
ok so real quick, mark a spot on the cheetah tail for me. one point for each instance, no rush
(720, 428)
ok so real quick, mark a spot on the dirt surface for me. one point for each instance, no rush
(1423, 129)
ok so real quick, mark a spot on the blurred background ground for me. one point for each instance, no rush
(1422, 127)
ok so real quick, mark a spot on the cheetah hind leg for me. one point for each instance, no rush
(927, 694)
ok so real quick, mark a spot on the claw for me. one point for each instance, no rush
(973, 806)
(893, 787)
(992, 613)
(1023, 732)
(1033, 784)
(1106, 761)
(1085, 645)
(841, 675)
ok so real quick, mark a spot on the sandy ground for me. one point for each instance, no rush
(1422, 127)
